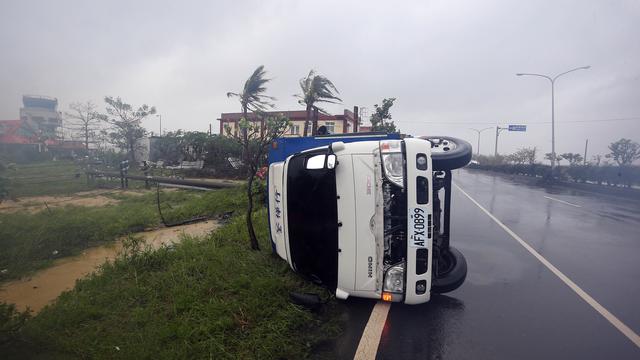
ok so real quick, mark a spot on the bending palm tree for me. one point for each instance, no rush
(252, 98)
(315, 89)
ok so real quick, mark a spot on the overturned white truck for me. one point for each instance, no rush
(368, 216)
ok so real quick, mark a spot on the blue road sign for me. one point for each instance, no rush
(517, 127)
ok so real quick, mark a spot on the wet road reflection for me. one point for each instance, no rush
(441, 319)
(597, 245)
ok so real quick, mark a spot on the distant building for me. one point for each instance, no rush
(37, 130)
(41, 114)
(39, 121)
(335, 124)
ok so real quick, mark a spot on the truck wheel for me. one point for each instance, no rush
(448, 153)
(452, 271)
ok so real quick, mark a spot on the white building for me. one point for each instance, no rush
(40, 113)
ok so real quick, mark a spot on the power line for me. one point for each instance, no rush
(595, 120)
(524, 123)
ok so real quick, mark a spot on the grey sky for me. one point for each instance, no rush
(449, 63)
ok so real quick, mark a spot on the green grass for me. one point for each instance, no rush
(28, 241)
(55, 178)
(204, 298)
(46, 178)
(212, 298)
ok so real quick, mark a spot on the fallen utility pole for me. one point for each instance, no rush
(204, 184)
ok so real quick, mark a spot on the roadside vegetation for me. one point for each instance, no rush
(203, 298)
(31, 241)
(42, 178)
(572, 166)
(381, 117)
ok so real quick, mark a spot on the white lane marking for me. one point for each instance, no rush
(562, 201)
(624, 329)
(368, 346)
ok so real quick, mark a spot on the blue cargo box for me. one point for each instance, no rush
(281, 148)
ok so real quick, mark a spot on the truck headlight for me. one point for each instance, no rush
(392, 161)
(393, 165)
(394, 279)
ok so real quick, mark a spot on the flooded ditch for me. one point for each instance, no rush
(46, 285)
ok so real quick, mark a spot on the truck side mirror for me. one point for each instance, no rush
(331, 161)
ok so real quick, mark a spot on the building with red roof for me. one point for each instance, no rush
(12, 132)
(335, 124)
(37, 129)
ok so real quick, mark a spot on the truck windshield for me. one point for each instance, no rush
(313, 219)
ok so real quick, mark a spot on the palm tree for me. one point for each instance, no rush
(315, 89)
(252, 98)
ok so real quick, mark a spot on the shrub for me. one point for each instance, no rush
(11, 324)
(627, 175)
(219, 149)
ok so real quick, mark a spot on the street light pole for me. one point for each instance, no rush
(553, 127)
(160, 116)
(479, 131)
(498, 129)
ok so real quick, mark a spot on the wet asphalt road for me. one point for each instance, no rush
(511, 305)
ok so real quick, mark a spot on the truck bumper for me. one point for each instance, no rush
(419, 223)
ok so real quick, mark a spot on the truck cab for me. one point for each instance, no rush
(361, 217)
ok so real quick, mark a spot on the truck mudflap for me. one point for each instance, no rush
(419, 222)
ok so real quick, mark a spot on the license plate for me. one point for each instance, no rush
(418, 227)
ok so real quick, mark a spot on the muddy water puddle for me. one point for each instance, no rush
(46, 285)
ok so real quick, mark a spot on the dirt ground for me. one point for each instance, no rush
(46, 285)
(35, 204)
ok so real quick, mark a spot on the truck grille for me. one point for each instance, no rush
(395, 224)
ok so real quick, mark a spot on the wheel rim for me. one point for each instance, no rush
(439, 145)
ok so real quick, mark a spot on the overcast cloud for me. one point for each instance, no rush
(450, 64)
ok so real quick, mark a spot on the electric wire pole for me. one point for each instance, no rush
(498, 129)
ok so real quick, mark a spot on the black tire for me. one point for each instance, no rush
(454, 272)
(448, 153)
